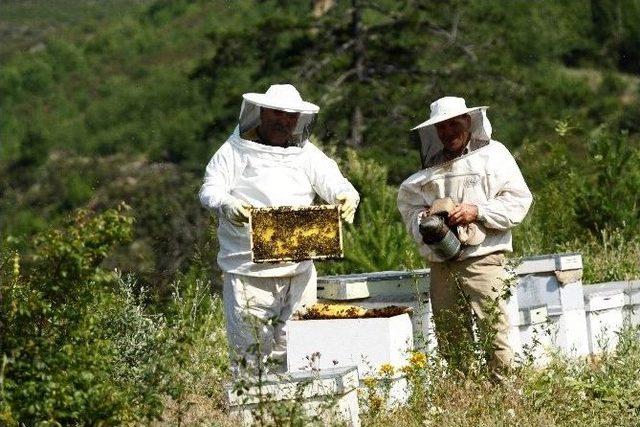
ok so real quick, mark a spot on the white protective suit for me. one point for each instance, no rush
(487, 177)
(265, 176)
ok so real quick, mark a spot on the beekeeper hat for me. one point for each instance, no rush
(446, 108)
(425, 135)
(283, 97)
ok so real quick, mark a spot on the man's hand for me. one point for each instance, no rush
(463, 214)
(348, 204)
(236, 211)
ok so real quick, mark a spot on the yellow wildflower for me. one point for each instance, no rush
(369, 382)
(386, 369)
(418, 359)
(407, 370)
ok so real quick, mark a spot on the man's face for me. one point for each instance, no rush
(454, 132)
(277, 126)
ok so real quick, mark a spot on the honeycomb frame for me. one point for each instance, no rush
(295, 233)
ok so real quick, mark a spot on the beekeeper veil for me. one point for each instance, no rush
(283, 97)
(425, 137)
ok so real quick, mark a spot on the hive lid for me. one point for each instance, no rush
(377, 276)
(604, 296)
(548, 263)
(631, 289)
(364, 285)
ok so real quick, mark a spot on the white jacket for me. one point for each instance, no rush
(487, 177)
(265, 176)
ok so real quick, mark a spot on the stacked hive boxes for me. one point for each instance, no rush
(369, 343)
(550, 308)
(382, 289)
(379, 347)
(604, 305)
(632, 302)
(547, 307)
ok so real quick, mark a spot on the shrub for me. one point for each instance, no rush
(608, 196)
(61, 317)
(607, 255)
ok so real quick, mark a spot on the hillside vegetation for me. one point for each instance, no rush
(105, 102)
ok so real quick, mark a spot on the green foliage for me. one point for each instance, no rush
(164, 83)
(78, 344)
(592, 394)
(195, 348)
(196, 318)
(607, 255)
(552, 218)
(587, 206)
(37, 76)
(609, 197)
(565, 393)
(71, 256)
(377, 240)
(57, 363)
(615, 27)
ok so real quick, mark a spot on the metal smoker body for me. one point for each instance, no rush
(439, 237)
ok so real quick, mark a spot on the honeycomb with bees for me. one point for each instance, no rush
(321, 311)
(295, 233)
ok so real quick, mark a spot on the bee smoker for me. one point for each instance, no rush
(439, 237)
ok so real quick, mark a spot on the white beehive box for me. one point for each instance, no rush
(384, 288)
(550, 308)
(549, 263)
(382, 283)
(330, 394)
(604, 306)
(546, 310)
(367, 343)
(632, 302)
(424, 338)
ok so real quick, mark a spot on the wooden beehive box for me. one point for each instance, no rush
(295, 233)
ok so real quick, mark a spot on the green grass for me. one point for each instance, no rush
(577, 392)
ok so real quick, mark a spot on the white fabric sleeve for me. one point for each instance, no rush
(219, 177)
(410, 205)
(512, 196)
(325, 177)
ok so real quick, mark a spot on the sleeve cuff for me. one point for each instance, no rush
(481, 214)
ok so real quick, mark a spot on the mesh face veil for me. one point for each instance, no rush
(249, 122)
(426, 139)
(279, 129)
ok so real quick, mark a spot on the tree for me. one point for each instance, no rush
(369, 53)
(615, 25)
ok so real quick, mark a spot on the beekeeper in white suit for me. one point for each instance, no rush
(268, 161)
(461, 161)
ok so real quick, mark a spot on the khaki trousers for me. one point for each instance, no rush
(464, 290)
